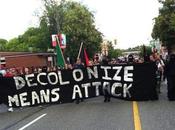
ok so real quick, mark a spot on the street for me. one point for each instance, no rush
(92, 114)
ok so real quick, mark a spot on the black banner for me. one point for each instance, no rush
(129, 82)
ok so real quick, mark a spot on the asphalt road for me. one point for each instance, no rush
(92, 114)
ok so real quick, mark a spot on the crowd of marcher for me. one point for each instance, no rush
(165, 69)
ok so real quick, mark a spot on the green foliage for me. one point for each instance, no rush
(77, 22)
(34, 39)
(147, 51)
(113, 53)
(137, 48)
(15, 45)
(3, 43)
(164, 27)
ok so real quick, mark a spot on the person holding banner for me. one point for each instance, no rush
(106, 87)
(78, 65)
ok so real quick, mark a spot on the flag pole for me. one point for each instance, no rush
(80, 50)
(60, 49)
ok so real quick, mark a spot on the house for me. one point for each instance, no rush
(26, 59)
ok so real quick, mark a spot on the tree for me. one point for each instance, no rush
(70, 18)
(113, 53)
(77, 22)
(136, 48)
(164, 27)
(15, 45)
(145, 50)
(34, 39)
(3, 43)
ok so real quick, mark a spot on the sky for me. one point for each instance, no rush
(128, 21)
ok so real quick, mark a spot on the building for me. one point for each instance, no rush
(26, 59)
(104, 47)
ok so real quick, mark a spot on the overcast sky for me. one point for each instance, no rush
(128, 21)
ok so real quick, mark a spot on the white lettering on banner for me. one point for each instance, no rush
(75, 72)
(45, 96)
(52, 74)
(29, 81)
(35, 97)
(106, 68)
(114, 87)
(23, 98)
(126, 90)
(92, 72)
(55, 93)
(76, 90)
(61, 79)
(19, 82)
(116, 76)
(128, 76)
(97, 85)
(48, 85)
(13, 99)
(38, 78)
(85, 86)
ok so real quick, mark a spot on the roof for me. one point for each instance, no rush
(18, 54)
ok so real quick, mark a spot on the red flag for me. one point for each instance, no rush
(86, 58)
(83, 55)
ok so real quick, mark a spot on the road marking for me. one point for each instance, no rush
(137, 122)
(30, 123)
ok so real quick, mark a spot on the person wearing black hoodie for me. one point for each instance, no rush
(170, 73)
(106, 88)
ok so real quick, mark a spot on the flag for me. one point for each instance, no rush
(60, 57)
(54, 42)
(62, 39)
(86, 58)
(83, 55)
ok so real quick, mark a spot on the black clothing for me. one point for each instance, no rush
(106, 88)
(170, 73)
(78, 99)
(107, 96)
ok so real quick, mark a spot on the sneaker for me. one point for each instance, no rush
(10, 109)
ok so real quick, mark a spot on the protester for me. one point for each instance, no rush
(130, 59)
(160, 71)
(170, 73)
(69, 66)
(91, 63)
(8, 73)
(96, 60)
(78, 65)
(106, 88)
(3, 72)
(113, 61)
(151, 58)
